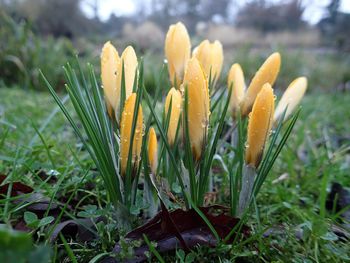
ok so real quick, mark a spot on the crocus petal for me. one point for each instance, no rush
(129, 59)
(259, 127)
(153, 150)
(236, 81)
(110, 62)
(125, 134)
(291, 98)
(198, 104)
(177, 52)
(211, 57)
(267, 73)
(176, 104)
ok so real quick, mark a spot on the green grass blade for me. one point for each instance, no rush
(153, 250)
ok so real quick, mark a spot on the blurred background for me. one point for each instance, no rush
(313, 36)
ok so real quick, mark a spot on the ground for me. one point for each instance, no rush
(290, 223)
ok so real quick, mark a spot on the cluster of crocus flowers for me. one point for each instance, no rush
(263, 115)
(187, 108)
(112, 71)
(191, 73)
(261, 119)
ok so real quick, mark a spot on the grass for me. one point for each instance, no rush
(50, 159)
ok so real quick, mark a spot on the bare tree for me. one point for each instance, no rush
(94, 5)
(265, 16)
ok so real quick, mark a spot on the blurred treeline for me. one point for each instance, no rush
(46, 34)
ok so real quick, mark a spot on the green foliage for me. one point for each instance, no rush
(32, 220)
(23, 54)
(90, 107)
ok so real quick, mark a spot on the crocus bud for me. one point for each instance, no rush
(235, 81)
(267, 73)
(291, 98)
(129, 59)
(177, 52)
(110, 62)
(153, 150)
(198, 105)
(259, 126)
(125, 134)
(211, 57)
(176, 104)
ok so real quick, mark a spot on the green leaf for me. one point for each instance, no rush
(46, 220)
(31, 219)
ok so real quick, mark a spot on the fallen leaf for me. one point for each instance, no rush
(18, 188)
(179, 228)
(83, 228)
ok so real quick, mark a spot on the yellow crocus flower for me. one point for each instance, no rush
(267, 73)
(259, 126)
(198, 104)
(125, 134)
(111, 74)
(291, 98)
(129, 59)
(236, 81)
(110, 62)
(177, 52)
(176, 104)
(211, 56)
(153, 150)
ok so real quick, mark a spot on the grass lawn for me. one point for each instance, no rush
(290, 222)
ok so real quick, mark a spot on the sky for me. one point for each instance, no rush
(312, 14)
